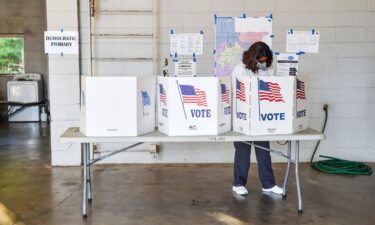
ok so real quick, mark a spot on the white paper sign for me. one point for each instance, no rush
(287, 64)
(253, 29)
(61, 42)
(185, 68)
(186, 44)
(302, 41)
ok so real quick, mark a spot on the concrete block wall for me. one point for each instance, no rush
(64, 84)
(341, 75)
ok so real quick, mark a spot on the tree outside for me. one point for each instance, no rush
(11, 55)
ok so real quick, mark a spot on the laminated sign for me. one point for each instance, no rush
(185, 68)
(61, 42)
(287, 64)
(194, 105)
(269, 105)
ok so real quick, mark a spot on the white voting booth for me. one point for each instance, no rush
(117, 106)
(269, 105)
(194, 105)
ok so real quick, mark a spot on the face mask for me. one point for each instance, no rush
(262, 66)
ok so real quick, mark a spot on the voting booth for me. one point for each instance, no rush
(269, 105)
(117, 106)
(194, 105)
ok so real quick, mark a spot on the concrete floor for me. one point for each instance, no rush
(32, 192)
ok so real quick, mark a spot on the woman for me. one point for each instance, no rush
(256, 61)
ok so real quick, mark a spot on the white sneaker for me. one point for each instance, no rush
(240, 190)
(276, 190)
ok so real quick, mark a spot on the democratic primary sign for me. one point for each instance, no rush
(61, 42)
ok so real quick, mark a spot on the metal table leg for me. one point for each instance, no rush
(287, 168)
(85, 163)
(89, 190)
(297, 179)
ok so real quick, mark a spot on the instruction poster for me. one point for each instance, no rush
(302, 41)
(61, 42)
(235, 35)
(185, 68)
(186, 43)
(287, 64)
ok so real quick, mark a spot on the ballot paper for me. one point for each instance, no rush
(287, 64)
(186, 44)
(302, 41)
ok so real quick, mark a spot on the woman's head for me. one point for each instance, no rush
(258, 53)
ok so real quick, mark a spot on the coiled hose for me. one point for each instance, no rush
(334, 165)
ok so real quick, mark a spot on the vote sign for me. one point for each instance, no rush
(194, 105)
(269, 105)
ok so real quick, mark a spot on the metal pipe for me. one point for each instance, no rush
(89, 192)
(155, 35)
(287, 168)
(270, 150)
(84, 197)
(297, 179)
(91, 21)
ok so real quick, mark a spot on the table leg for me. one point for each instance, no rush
(297, 179)
(89, 190)
(287, 168)
(84, 201)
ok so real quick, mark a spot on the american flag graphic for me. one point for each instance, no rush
(145, 99)
(240, 90)
(224, 93)
(162, 94)
(301, 89)
(270, 91)
(190, 94)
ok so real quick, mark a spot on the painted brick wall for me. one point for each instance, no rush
(63, 84)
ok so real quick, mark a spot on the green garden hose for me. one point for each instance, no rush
(334, 165)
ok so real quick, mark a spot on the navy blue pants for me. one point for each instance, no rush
(242, 164)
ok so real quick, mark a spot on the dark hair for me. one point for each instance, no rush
(255, 52)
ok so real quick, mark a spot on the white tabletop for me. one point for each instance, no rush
(73, 135)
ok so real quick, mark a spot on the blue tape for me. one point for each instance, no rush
(276, 53)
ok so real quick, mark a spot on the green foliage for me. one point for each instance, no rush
(11, 55)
